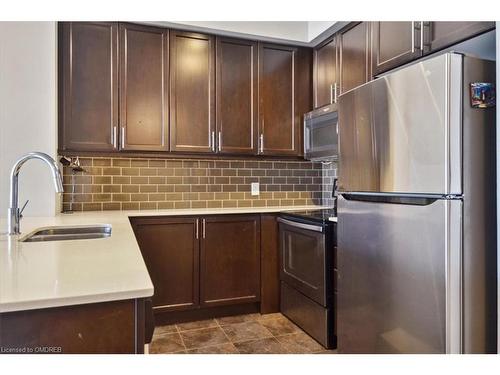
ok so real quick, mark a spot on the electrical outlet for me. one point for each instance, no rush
(255, 188)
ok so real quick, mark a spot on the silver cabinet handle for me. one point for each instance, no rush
(413, 36)
(197, 229)
(261, 143)
(331, 93)
(212, 141)
(123, 137)
(203, 226)
(114, 137)
(418, 31)
(219, 142)
(422, 33)
(335, 92)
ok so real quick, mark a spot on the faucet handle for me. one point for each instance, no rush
(22, 209)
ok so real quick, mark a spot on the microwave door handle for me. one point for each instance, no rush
(307, 138)
(316, 228)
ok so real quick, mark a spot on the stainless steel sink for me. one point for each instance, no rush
(80, 232)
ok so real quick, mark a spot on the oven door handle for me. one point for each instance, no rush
(316, 228)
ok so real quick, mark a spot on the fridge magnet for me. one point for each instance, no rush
(482, 95)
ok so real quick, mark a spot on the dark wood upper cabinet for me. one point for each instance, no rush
(354, 57)
(395, 44)
(230, 260)
(192, 92)
(278, 130)
(236, 96)
(143, 88)
(443, 33)
(88, 86)
(303, 82)
(170, 248)
(325, 72)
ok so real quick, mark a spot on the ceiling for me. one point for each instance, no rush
(307, 33)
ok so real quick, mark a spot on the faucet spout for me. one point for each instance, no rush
(14, 216)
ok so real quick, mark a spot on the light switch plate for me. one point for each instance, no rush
(255, 188)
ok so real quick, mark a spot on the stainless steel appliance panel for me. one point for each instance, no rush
(398, 282)
(401, 133)
(479, 260)
(307, 314)
(303, 258)
(321, 134)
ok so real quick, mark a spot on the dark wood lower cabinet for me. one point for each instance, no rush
(116, 327)
(209, 266)
(170, 247)
(230, 260)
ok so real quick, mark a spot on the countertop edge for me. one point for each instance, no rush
(105, 216)
(75, 301)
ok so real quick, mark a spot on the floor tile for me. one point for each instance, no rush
(280, 326)
(161, 330)
(217, 349)
(263, 346)
(197, 325)
(167, 343)
(298, 343)
(238, 319)
(203, 337)
(270, 316)
(246, 331)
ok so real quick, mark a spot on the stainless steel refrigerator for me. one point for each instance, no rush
(416, 215)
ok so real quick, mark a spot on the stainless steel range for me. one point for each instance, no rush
(307, 259)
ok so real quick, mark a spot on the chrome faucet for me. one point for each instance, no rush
(14, 216)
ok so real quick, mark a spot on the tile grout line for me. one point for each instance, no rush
(227, 337)
(182, 340)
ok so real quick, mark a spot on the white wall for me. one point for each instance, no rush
(314, 28)
(28, 116)
(291, 30)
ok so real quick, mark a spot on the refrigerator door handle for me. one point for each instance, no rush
(414, 200)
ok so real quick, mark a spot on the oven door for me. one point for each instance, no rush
(303, 258)
(321, 135)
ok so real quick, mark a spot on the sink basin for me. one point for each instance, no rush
(80, 232)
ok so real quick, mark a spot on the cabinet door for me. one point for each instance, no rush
(354, 56)
(236, 96)
(143, 88)
(278, 130)
(230, 260)
(395, 44)
(192, 91)
(170, 248)
(88, 86)
(325, 72)
(443, 33)
(303, 98)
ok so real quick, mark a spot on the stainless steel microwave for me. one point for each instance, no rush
(321, 134)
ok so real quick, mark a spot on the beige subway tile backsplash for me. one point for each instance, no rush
(133, 184)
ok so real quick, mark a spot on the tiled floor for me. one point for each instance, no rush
(244, 334)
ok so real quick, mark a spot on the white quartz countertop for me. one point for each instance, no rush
(36, 275)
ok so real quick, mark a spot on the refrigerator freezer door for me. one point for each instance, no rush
(401, 133)
(399, 277)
